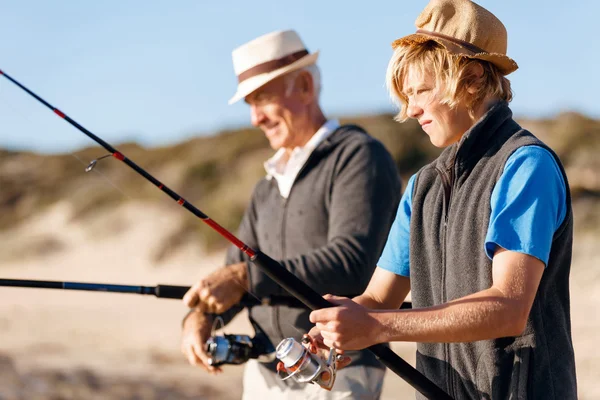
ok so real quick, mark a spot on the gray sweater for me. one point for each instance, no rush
(450, 216)
(329, 232)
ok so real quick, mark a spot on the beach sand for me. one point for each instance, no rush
(59, 344)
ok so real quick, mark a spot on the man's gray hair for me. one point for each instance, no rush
(314, 71)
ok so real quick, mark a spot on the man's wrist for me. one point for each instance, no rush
(382, 326)
(187, 315)
(240, 272)
(196, 311)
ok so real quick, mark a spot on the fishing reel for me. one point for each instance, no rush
(237, 349)
(304, 366)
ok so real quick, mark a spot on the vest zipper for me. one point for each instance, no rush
(448, 184)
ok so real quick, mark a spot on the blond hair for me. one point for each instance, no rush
(453, 75)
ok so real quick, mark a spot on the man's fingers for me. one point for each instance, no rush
(329, 335)
(333, 298)
(204, 294)
(191, 356)
(327, 327)
(201, 354)
(280, 367)
(343, 361)
(211, 303)
(323, 315)
(190, 299)
(219, 308)
(310, 343)
(210, 306)
(316, 340)
(331, 343)
(202, 298)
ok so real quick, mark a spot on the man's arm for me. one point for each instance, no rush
(499, 311)
(386, 291)
(365, 194)
(502, 310)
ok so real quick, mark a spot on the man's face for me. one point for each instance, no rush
(276, 114)
(443, 125)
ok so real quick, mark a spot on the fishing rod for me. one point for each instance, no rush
(160, 291)
(269, 266)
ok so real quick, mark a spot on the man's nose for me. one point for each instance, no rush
(257, 116)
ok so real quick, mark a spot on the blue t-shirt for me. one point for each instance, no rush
(528, 204)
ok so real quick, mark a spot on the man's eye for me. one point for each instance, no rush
(263, 98)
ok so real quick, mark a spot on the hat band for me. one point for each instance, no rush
(467, 45)
(271, 65)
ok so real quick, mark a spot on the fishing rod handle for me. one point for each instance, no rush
(170, 291)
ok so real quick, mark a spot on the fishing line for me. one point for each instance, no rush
(86, 165)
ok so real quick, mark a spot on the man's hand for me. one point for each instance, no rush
(219, 291)
(196, 331)
(315, 345)
(346, 327)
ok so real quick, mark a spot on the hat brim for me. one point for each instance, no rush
(505, 64)
(251, 84)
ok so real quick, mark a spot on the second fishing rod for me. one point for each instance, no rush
(269, 266)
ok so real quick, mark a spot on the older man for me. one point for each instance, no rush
(323, 211)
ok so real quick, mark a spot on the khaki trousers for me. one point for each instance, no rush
(352, 382)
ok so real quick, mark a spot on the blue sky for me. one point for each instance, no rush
(160, 72)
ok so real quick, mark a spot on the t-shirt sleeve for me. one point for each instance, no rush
(395, 255)
(528, 204)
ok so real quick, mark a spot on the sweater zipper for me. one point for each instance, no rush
(448, 184)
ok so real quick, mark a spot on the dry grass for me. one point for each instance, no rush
(217, 174)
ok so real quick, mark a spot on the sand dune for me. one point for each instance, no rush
(79, 345)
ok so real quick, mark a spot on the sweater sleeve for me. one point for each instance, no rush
(365, 193)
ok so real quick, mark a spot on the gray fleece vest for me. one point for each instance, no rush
(449, 221)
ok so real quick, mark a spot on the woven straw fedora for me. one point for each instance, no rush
(465, 28)
(267, 57)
